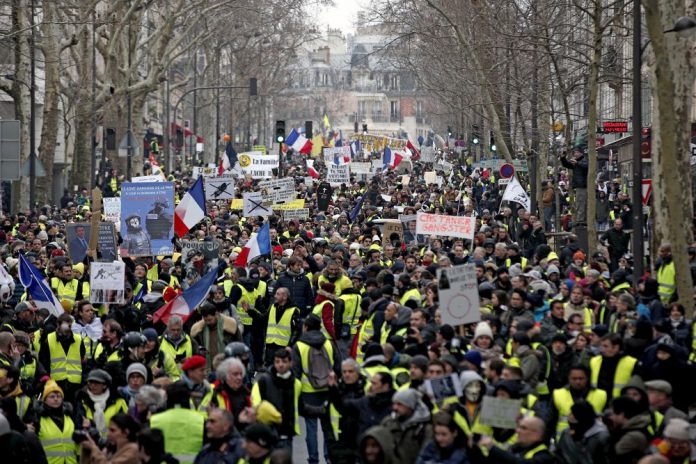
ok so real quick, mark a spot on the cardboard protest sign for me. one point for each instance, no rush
(200, 257)
(254, 205)
(107, 282)
(278, 191)
(206, 171)
(500, 412)
(338, 175)
(107, 246)
(457, 288)
(258, 165)
(147, 218)
(302, 213)
(446, 226)
(393, 227)
(112, 209)
(430, 177)
(219, 187)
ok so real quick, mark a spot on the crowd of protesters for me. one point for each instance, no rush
(340, 328)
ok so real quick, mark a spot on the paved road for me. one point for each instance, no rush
(299, 446)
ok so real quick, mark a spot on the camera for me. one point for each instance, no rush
(81, 435)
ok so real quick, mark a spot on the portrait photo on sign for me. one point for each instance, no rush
(441, 388)
(199, 257)
(147, 219)
(77, 237)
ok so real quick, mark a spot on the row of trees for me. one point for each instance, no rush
(95, 55)
(531, 72)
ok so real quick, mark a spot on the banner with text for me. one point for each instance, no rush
(338, 175)
(445, 226)
(258, 165)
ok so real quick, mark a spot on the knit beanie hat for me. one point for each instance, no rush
(51, 387)
(408, 398)
(483, 330)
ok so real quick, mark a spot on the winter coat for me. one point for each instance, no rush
(433, 454)
(382, 436)
(226, 325)
(560, 368)
(410, 435)
(316, 339)
(370, 410)
(630, 442)
(301, 294)
(231, 455)
(592, 448)
(579, 179)
(529, 363)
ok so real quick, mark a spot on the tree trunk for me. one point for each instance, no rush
(51, 109)
(20, 85)
(593, 83)
(673, 73)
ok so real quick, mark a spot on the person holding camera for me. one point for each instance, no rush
(121, 443)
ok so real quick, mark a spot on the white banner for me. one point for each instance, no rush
(361, 168)
(446, 226)
(258, 165)
(219, 187)
(153, 178)
(514, 192)
(302, 213)
(338, 175)
(278, 191)
(331, 154)
(457, 289)
(254, 206)
(107, 282)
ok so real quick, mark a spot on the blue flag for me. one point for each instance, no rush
(356, 209)
(231, 154)
(37, 287)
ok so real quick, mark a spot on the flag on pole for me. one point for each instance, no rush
(191, 210)
(185, 303)
(415, 153)
(37, 287)
(258, 245)
(229, 158)
(356, 209)
(310, 169)
(298, 142)
(514, 192)
(327, 124)
(355, 147)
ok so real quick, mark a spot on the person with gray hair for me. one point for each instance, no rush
(176, 343)
(148, 401)
(233, 392)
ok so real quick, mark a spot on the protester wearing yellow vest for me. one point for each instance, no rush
(56, 427)
(397, 319)
(529, 448)
(666, 274)
(175, 343)
(335, 275)
(283, 324)
(183, 428)
(62, 353)
(611, 370)
(325, 309)
(97, 403)
(578, 389)
(67, 288)
(264, 440)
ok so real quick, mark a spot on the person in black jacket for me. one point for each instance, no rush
(578, 163)
(298, 284)
(350, 386)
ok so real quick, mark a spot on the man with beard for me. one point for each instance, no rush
(214, 331)
(297, 283)
(334, 274)
(136, 241)
(578, 389)
(23, 319)
(562, 358)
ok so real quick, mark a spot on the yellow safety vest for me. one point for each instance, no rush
(304, 361)
(22, 402)
(366, 332)
(587, 317)
(523, 263)
(351, 306)
(412, 294)
(65, 365)
(184, 351)
(256, 399)
(279, 332)
(341, 283)
(58, 444)
(666, 282)
(532, 452)
(28, 370)
(563, 401)
(183, 432)
(385, 334)
(118, 406)
(139, 286)
(66, 291)
(206, 401)
(624, 369)
(250, 298)
(317, 312)
(471, 430)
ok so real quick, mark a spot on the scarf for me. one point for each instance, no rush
(93, 330)
(99, 407)
(220, 335)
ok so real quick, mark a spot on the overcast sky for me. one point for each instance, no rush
(342, 15)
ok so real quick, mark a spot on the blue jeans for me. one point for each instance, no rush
(311, 425)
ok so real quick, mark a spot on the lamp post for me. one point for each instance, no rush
(637, 191)
(32, 115)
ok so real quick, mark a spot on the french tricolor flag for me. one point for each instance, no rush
(392, 158)
(298, 142)
(415, 154)
(258, 245)
(185, 303)
(310, 169)
(191, 210)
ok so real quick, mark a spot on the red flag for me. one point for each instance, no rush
(415, 153)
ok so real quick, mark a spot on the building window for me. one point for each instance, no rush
(362, 108)
(394, 82)
(419, 109)
(394, 108)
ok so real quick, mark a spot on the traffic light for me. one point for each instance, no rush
(355, 127)
(364, 128)
(475, 137)
(110, 138)
(280, 131)
(449, 131)
(308, 129)
(492, 146)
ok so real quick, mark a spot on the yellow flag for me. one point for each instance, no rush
(317, 145)
(327, 124)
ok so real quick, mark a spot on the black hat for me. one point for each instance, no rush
(560, 337)
(373, 349)
(262, 435)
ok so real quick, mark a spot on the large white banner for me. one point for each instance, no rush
(257, 165)
(446, 226)
(457, 290)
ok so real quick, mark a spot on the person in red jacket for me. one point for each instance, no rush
(324, 308)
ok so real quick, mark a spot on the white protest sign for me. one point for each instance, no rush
(107, 282)
(500, 412)
(278, 191)
(444, 388)
(254, 206)
(219, 187)
(302, 213)
(446, 226)
(112, 209)
(405, 179)
(204, 171)
(457, 290)
(153, 178)
(308, 180)
(514, 192)
(257, 165)
(427, 155)
(360, 168)
(386, 198)
(440, 180)
(333, 154)
(430, 177)
(338, 175)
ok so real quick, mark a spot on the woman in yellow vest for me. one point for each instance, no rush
(96, 404)
(55, 427)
